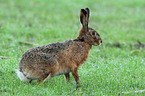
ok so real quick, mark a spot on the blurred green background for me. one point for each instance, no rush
(117, 66)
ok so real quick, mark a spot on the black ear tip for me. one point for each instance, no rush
(84, 11)
(87, 8)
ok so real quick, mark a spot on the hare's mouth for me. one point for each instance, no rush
(97, 44)
(100, 44)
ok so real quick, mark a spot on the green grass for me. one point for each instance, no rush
(108, 70)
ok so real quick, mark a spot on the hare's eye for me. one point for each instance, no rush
(93, 33)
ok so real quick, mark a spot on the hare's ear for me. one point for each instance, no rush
(88, 14)
(87, 18)
(84, 19)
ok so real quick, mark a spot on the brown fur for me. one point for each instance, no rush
(54, 59)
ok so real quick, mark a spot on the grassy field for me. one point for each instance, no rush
(117, 66)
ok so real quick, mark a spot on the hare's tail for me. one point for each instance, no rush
(21, 76)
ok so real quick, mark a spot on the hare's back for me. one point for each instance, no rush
(45, 55)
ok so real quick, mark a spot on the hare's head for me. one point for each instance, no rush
(87, 34)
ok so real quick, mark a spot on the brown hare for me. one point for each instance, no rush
(44, 62)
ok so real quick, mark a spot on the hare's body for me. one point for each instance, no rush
(54, 59)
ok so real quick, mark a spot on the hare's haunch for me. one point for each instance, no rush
(54, 59)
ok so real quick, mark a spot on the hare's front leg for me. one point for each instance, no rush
(76, 76)
(67, 76)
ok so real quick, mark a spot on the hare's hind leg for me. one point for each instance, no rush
(49, 76)
(67, 76)
(43, 78)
